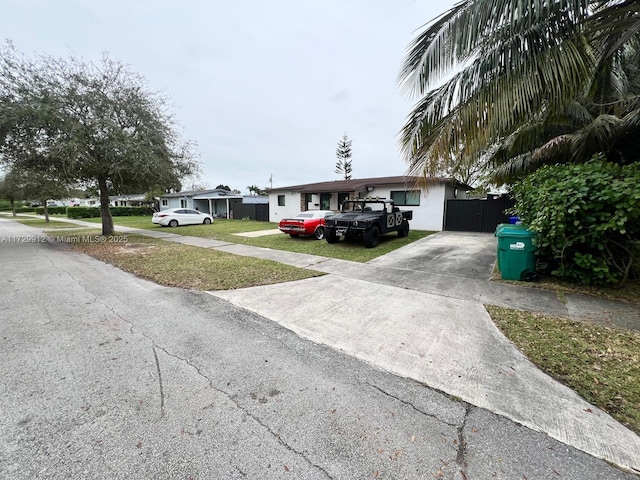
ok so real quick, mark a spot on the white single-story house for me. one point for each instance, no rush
(132, 200)
(428, 204)
(88, 202)
(218, 202)
(74, 202)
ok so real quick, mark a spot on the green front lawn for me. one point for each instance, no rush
(184, 266)
(227, 230)
(601, 364)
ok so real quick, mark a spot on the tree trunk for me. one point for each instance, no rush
(46, 211)
(105, 212)
(13, 207)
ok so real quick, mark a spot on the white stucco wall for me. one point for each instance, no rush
(428, 215)
(290, 209)
(174, 202)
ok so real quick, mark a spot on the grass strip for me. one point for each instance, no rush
(601, 364)
(41, 223)
(227, 230)
(185, 266)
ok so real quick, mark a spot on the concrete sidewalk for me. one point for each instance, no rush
(418, 312)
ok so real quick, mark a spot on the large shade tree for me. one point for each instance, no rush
(512, 85)
(11, 189)
(39, 185)
(95, 124)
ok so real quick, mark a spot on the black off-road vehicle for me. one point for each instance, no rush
(367, 219)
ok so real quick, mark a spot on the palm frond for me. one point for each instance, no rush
(599, 136)
(519, 82)
(517, 60)
(614, 25)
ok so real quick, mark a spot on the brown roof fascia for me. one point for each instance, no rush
(362, 183)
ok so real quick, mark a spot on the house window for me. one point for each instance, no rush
(164, 202)
(406, 198)
(183, 203)
(281, 200)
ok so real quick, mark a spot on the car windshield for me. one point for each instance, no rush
(359, 206)
(305, 215)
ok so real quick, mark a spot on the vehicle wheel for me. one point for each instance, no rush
(331, 237)
(404, 229)
(319, 233)
(371, 237)
(294, 235)
(207, 221)
(173, 223)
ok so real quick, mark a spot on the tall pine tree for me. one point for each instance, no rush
(343, 153)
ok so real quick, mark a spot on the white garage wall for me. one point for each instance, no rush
(290, 209)
(429, 214)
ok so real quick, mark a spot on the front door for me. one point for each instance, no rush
(325, 201)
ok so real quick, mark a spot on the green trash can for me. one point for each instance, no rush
(516, 252)
(499, 229)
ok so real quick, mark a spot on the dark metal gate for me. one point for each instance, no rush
(476, 214)
(253, 211)
(262, 212)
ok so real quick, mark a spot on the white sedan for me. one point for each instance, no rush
(181, 216)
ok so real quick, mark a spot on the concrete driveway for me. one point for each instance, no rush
(452, 254)
(417, 312)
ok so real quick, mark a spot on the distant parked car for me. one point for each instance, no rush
(306, 223)
(181, 216)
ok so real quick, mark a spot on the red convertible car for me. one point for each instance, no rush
(306, 223)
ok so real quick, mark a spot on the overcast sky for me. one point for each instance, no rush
(266, 89)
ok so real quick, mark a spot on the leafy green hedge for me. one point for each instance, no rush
(51, 210)
(130, 211)
(83, 212)
(94, 212)
(586, 218)
(19, 209)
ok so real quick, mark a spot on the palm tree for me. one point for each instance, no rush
(512, 84)
(604, 120)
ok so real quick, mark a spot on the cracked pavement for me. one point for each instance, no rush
(105, 375)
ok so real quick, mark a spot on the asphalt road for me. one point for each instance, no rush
(106, 376)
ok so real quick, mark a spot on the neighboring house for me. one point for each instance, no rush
(219, 203)
(133, 200)
(428, 205)
(74, 202)
(86, 202)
